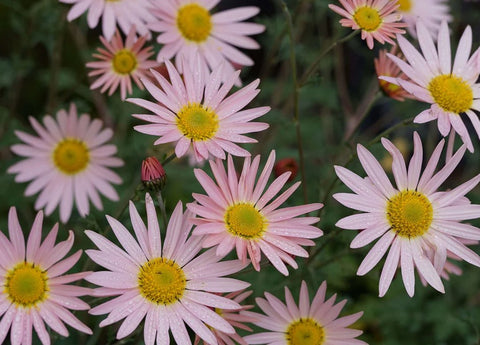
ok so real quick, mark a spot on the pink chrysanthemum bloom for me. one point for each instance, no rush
(450, 91)
(187, 28)
(239, 213)
(34, 291)
(412, 219)
(431, 12)
(235, 318)
(125, 13)
(169, 286)
(194, 112)
(69, 162)
(120, 63)
(378, 19)
(308, 323)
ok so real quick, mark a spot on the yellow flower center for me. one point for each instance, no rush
(388, 88)
(305, 331)
(367, 18)
(71, 156)
(410, 213)
(196, 122)
(405, 5)
(451, 93)
(162, 281)
(26, 285)
(124, 62)
(244, 220)
(194, 22)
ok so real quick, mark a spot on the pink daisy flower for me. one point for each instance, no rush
(431, 12)
(378, 19)
(450, 91)
(194, 112)
(306, 323)
(34, 290)
(125, 13)
(187, 28)
(120, 63)
(169, 286)
(68, 162)
(239, 213)
(412, 219)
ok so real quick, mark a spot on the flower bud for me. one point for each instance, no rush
(153, 174)
(284, 165)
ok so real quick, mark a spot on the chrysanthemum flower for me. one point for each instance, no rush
(125, 13)
(308, 323)
(34, 291)
(450, 91)
(431, 12)
(412, 219)
(168, 284)
(188, 28)
(377, 19)
(239, 213)
(120, 63)
(235, 318)
(194, 112)
(68, 162)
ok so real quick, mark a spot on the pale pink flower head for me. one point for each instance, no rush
(411, 220)
(431, 12)
(120, 63)
(193, 112)
(188, 28)
(304, 323)
(377, 19)
(238, 212)
(125, 13)
(170, 284)
(451, 91)
(35, 290)
(69, 161)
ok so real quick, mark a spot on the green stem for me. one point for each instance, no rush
(161, 203)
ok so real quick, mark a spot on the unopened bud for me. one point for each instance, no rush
(153, 174)
(284, 165)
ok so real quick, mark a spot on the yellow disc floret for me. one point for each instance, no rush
(367, 18)
(124, 62)
(305, 331)
(194, 22)
(451, 93)
(26, 285)
(161, 281)
(410, 213)
(245, 221)
(71, 156)
(405, 5)
(196, 122)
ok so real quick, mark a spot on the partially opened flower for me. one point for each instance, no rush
(68, 162)
(239, 213)
(378, 19)
(34, 290)
(450, 91)
(314, 323)
(188, 28)
(170, 284)
(194, 112)
(431, 12)
(411, 220)
(125, 13)
(120, 63)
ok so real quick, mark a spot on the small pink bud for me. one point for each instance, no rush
(153, 174)
(284, 165)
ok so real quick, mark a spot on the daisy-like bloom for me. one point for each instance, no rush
(120, 63)
(412, 219)
(378, 19)
(188, 28)
(239, 213)
(307, 323)
(34, 289)
(194, 112)
(68, 162)
(168, 284)
(125, 13)
(431, 12)
(450, 91)
(235, 318)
